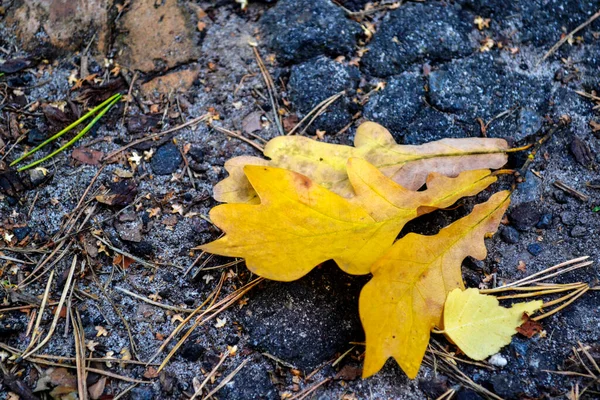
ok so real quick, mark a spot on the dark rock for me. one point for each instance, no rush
(578, 231)
(535, 249)
(141, 249)
(232, 340)
(307, 321)
(545, 221)
(252, 382)
(329, 77)
(142, 393)
(430, 124)
(560, 197)
(21, 233)
(196, 153)
(505, 386)
(169, 277)
(537, 22)
(509, 235)
(35, 137)
(12, 201)
(298, 30)
(481, 87)
(528, 190)
(524, 215)
(396, 106)
(406, 36)
(166, 160)
(191, 350)
(434, 387)
(37, 176)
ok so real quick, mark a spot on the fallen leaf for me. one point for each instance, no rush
(487, 44)
(91, 345)
(325, 163)
(15, 65)
(151, 373)
(405, 298)
(353, 232)
(252, 122)
(482, 23)
(87, 156)
(135, 158)
(220, 322)
(478, 325)
(123, 173)
(101, 331)
(121, 193)
(529, 328)
(97, 388)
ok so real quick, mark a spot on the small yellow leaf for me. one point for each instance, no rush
(299, 224)
(405, 299)
(101, 331)
(325, 163)
(478, 325)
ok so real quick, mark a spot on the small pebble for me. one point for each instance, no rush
(510, 235)
(166, 160)
(498, 360)
(567, 218)
(560, 197)
(544, 222)
(578, 231)
(534, 249)
(21, 233)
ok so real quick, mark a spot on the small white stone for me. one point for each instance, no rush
(497, 360)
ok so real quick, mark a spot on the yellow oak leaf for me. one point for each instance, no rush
(325, 163)
(405, 298)
(299, 224)
(478, 325)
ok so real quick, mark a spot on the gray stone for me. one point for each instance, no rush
(318, 79)
(301, 29)
(578, 231)
(397, 104)
(166, 160)
(307, 321)
(481, 86)
(415, 33)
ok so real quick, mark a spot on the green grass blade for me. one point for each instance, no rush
(77, 137)
(68, 128)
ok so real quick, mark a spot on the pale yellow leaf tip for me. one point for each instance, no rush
(478, 325)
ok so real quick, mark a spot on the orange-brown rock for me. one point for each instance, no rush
(64, 24)
(174, 82)
(157, 36)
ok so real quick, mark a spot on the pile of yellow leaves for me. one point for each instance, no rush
(312, 202)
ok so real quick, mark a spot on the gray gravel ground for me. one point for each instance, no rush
(438, 84)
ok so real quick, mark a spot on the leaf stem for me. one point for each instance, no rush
(109, 101)
(114, 99)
